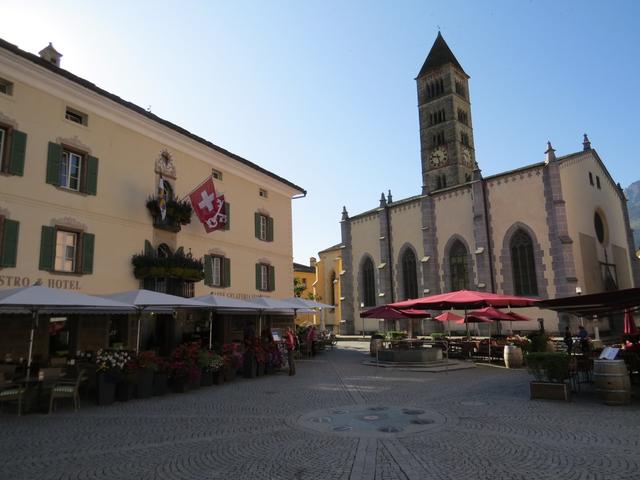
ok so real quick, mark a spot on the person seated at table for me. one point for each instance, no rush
(583, 336)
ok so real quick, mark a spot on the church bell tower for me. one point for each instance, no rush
(446, 133)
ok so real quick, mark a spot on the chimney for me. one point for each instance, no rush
(51, 55)
(312, 262)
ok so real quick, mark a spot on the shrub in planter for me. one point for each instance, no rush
(232, 355)
(548, 366)
(437, 337)
(160, 383)
(147, 367)
(105, 388)
(538, 342)
(111, 367)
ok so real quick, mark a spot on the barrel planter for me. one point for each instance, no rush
(374, 345)
(612, 381)
(179, 384)
(249, 365)
(206, 379)
(124, 390)
(218, 377)
(229, 373)
(512, 356)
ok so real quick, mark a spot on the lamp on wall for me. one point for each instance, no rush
(361, 307)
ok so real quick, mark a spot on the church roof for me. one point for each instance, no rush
(299, 267)
(439, 55)
(337, 246)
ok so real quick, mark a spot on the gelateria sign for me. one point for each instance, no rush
(15, 281)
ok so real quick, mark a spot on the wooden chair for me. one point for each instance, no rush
(67, 389)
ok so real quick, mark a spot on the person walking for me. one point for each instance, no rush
(568, 339)
(311, 340)
(290, 341)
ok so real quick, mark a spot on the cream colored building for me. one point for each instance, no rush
(78, 167)
(327, 285)
(548, 229)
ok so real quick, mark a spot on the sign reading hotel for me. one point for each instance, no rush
(209, 206)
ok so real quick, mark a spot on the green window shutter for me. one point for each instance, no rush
(88, 244)
(9, 251)
(149, 251)
(272, 278)
(208, 270)
(18, 150)
(226, 272)
(257, 276)
(92, 175)
(269, 229)
(256, 217)
(47, 248)
(227, 211)
(53, 163)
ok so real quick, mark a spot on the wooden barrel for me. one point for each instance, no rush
(512, 356)
(612, 381)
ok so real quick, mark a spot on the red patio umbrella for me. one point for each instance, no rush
(448, 317)
(474, 319)
(629, 323)
(465, 299)
(387, 312)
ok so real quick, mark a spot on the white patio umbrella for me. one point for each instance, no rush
(271, 305)
(219, 303)
(305, 303)
(148, 301)
(37, 299)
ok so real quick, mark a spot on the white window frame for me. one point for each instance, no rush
(7, 87)
(263, 228)
(66, 251)
(216, 271)
(64, 173)
(217, 174)
(264, 193)
(75, 116)
(264, 277)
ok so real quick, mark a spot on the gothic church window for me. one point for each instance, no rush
(409, 275)
(368, 284)
(458, 266)
(522, 261)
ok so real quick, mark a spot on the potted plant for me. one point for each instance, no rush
(147, 367)
(161, 377)
(184, 372)
(110, 366)
(216, 364)
(232, 357)
(204, 362)
(550, 370)
(178, 375)
(177, 213)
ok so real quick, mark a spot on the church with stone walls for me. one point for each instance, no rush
(548, 229)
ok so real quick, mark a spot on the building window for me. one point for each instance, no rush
(463, 117)
(216, 174)
(265, 277)
(9, 230)
(409, 275)
(460, 90)
(75, 116)
(458, 266)
(69, 173)
(13, 145)
(66, 251)
(591, 178)
(263, 227)
(438, 139)
(368, 284)
(264, 193)
(3, 141)
(6, 87)
(599, 226)
(217, 271)
(523, 264)
(464, 138)
(598, 182)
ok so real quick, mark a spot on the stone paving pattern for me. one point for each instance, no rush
(249, 429)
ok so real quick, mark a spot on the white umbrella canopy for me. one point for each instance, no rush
(306, 303)
(266, 303)
(218, 301)
(147, 300)
(37, 299)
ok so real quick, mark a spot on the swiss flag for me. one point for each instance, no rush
(209, 207)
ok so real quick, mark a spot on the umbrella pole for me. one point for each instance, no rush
(210, 328)
(466, 323)
(34, 325)
(138, 334)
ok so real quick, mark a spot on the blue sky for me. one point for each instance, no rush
(323, 92)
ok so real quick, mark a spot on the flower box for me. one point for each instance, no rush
(206, 380)
(144, 386)
(218, 377)
(229, 373)
(550, 391)
(249, 365)
(124, 391)
(160, 386)
(179, 385)
(105, 389)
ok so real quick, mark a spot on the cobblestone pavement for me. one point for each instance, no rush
(253, 429)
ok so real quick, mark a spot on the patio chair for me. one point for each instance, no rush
(67, 389)
(12, 393)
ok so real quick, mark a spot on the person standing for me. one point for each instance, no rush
(568, 339)
(311, 340)
(290, 341)
(583, 335)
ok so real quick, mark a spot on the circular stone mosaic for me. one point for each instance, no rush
(371, 421)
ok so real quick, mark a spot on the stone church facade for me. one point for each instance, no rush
(546, 230)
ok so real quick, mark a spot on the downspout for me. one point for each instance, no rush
(486, 225)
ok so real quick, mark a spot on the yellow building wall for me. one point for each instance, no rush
(127, 145)
(330, 261)
(308, 278)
